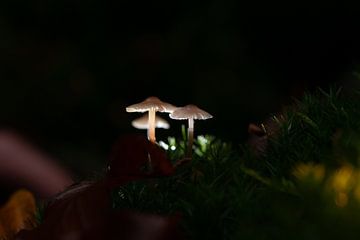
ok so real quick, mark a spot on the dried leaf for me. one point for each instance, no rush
(18, 213)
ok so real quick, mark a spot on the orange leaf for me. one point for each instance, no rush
(18, 213)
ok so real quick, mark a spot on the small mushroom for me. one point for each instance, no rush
(190, 112)
(143, 123)
(151, 105)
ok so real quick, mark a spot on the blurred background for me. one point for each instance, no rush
(69, 68)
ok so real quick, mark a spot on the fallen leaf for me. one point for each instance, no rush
(18, 213)
(134, 157)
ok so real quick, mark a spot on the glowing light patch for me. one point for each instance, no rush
(202, 140)
(173, 148)
(164, 145)
(342, 179)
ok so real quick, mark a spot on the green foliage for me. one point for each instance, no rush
(39, 214)
(306, 185)
(207, 187)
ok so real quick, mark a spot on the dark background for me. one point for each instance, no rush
(68, 69)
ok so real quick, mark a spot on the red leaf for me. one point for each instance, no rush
(134, 157)
(84, 213)
(81, 212)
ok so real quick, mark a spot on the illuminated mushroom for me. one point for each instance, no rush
(143, 123)
(151, 105)
(190, 113)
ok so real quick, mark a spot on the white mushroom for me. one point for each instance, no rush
(143, 123)
(190, 113)
(151, 105)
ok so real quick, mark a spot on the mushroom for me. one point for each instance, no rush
(190, 112)
(143, 123)
(151, 105)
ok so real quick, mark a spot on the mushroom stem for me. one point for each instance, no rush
(151, 130)
(190, 137)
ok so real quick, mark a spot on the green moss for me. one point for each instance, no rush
(304, 186)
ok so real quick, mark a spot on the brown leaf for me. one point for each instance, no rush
(18, 213)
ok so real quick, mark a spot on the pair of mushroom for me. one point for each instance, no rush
(154, 104)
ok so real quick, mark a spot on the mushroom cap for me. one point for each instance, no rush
(143, 122)
(190, 111)
(151, 103)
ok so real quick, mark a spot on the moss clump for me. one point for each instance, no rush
(305, 185)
